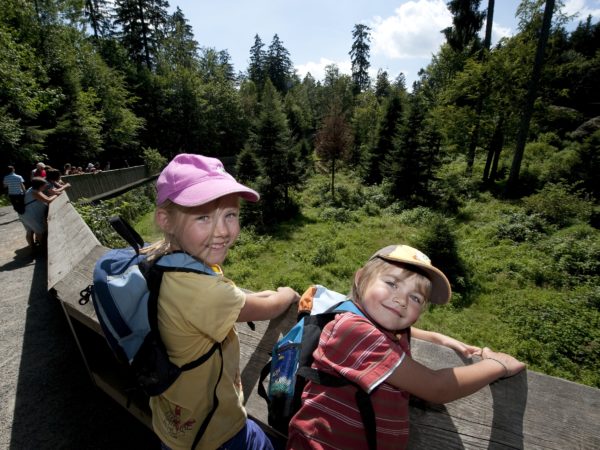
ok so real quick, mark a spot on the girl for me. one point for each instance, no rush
(392, 290)
(55, 185)
(198, 212)
(34, 215)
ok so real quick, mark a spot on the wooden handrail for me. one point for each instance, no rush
(527, 411)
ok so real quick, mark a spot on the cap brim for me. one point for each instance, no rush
(198, 194)
(440, 286)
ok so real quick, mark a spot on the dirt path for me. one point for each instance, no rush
(47, 400)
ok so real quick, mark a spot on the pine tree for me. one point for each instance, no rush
(378, 161)
(178, 47)
(257, 66)
(360, 57)
(279, 67)
(466, 23)
(408, 165)
(273, 148)
(98, 16)
(142, 25)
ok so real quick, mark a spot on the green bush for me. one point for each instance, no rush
(418, 216)
(521, 227)
(575, 254)
(130, 206)
(324, 253)
(154, 160)
(560, 204)
(341, 215)
(559, 336)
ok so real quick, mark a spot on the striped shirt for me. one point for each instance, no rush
(329, 418)
(14, 183)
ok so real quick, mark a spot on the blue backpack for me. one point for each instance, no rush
(125, 296)
(290, 366)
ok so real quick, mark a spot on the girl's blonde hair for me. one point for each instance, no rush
(376, 266)
(163, 246)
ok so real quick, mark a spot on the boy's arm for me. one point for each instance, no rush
(267, 305)
(466, 350)
(446, 385)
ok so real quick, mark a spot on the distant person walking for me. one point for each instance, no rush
(16, 190)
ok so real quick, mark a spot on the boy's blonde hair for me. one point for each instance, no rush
(376, 266)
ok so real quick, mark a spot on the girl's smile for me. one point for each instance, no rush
(207, 231)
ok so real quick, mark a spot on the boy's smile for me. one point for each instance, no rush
(392, 299)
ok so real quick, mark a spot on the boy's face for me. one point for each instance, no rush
(392, 299)
(208, 231)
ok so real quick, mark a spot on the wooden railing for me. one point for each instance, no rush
(527, 411)
(101, 184)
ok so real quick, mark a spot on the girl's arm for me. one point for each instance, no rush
(57, 190)
(43, 197)
(466, 350)
(267, 305)
(446, 385)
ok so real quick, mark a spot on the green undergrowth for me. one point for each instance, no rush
(522, 284)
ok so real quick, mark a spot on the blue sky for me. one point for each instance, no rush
(404, 33)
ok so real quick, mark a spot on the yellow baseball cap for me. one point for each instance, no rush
(440, 286)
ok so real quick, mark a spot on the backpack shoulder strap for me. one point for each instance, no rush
(127, 232)
(363, 399)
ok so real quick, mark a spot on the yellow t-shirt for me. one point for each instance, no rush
(194, 311)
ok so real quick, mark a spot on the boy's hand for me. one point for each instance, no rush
(468, 351)
(511, 365)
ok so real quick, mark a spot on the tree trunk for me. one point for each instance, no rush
(515, 168)
(333, 179)
(486, 48)
(491, 163)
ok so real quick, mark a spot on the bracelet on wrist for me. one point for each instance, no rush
(506, 372)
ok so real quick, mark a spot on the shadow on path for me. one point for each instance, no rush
(56, 404)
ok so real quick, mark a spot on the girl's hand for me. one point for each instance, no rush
(289, 293)
(511, 365)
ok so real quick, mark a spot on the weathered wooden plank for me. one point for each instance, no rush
(528, 411)
(70, 240)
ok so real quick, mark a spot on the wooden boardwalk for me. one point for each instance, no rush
(46, 398)
(528, 411)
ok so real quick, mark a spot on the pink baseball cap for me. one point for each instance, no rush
(192, 180)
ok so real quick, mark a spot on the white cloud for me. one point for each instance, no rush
(414, 30)
(317, 69)
(581, 10)
(498, 32)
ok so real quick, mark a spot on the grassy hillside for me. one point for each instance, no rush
(525, 274)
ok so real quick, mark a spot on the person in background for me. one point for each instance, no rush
(39, 171)
(373, 352)
(55, 185)
(36, 211)
(198, 208)
(67, 169)
(15, 186)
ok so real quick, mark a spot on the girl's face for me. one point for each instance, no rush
(393, 298)
(206, 231)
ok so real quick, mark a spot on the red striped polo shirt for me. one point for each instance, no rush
(351, 346)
